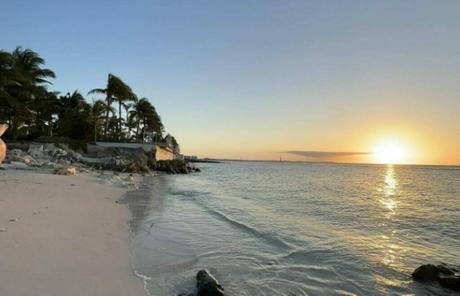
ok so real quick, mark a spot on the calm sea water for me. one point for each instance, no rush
(297, 229)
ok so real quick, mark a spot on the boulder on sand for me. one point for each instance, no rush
(446, 276)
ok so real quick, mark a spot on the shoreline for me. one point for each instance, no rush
(65, 235)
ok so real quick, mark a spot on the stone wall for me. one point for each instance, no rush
(163, 154)
(145, 147)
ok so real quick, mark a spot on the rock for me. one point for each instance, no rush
(207, 285)
(3, 128)
(64, 162)
(176, 166)
(16, 165)
(67, 171)
(36, 151)
(21, 156)
(428, 272)
(446, 276)
(450, 282)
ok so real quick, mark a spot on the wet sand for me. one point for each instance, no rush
(63, 235)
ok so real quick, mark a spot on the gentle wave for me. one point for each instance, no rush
(293, 229)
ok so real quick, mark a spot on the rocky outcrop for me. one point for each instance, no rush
(446, 276)
(130, 161)
(206, 285)
(58, 157)
(176, 166)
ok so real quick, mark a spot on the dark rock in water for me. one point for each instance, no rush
(207, 285)
(445, 275)
(176, 166)
(450, 282)
(428, 272)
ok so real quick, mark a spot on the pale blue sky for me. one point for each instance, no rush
(269, 75)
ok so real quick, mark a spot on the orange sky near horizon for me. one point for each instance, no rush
(424, 145)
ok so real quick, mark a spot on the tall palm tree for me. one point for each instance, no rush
(98, 111)
(8, 77)
(146, 118)
(116, 90)
(122, 102)
(22, 86)
(74, 116)
(29, 64)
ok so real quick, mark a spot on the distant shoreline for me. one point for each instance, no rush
(332, 162)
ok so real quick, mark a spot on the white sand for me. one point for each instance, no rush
(67, 239)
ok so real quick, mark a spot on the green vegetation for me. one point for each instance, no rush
(33, 112)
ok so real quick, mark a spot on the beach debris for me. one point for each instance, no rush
(14, 219)
(206, 285)
(447, 276)
(3, 229)
(66, 171)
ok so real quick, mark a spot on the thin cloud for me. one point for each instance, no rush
(326, 154)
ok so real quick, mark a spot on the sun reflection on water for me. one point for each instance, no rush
(391, 251)
(389, 192)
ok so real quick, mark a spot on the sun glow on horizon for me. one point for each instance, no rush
(390, 152)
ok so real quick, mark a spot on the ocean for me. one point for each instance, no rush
(279, 228)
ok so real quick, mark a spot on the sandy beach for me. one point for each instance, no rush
(63, 235)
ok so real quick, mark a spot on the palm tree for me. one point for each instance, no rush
(116, 90)
(22, 86)
(98, 109)
(123, 102)
(146, 118)
(8, 77)
(29, 64)
(74, 116)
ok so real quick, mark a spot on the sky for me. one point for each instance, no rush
(265, 79)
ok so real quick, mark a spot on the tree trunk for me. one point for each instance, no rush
(106, 127)
(137, 129)
(119, 119)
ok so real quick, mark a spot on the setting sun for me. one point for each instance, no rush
(390, 151)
